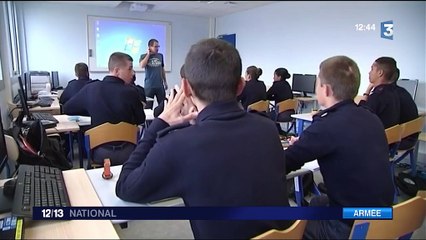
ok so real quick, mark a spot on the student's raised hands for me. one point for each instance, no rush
(176, 109)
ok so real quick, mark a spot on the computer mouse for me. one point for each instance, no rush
(9, 188)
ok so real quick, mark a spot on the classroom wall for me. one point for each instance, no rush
(299, 35)
(56, 36)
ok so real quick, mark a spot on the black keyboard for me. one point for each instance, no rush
(38, 186)
(44, 116)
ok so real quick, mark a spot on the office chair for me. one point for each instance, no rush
(295, 231)
(12, 152)
(289, 105)
(260, 106)
(108, 132)
(408, 216)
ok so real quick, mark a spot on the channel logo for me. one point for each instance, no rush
(386, 30)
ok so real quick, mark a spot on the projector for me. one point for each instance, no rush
(140, 7)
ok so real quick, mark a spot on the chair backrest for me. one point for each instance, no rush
(108, 132)
(12, 148)
(260, 106)
(393, 134)
(289, 104)
(413, 126)
(408, 216)
(295, 231)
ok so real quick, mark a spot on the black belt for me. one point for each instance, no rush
(115, 147)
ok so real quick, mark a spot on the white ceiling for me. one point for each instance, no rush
(191, 8)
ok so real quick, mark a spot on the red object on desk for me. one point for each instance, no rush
(107, 174)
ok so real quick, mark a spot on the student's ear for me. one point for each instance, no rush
(328, 90)
(187, 89)
(241, 85)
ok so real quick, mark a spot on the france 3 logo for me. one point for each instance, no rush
(386, 30)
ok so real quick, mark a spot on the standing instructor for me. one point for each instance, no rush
(155, 76)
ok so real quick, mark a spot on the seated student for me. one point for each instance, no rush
(208, 164)
(381, 96)
(278, 92)
(73, 86)
(254, 90)
(112, 100)
(350, 145)
(408, 112)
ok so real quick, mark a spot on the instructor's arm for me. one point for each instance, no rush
(144, 61)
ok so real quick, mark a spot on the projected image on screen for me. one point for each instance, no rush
(108, 35)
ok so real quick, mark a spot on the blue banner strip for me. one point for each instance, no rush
(368, 213)
(188, 213)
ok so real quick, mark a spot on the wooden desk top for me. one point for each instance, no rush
(64, 125)
(81, 193)
(53, 107)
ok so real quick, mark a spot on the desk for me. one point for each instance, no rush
(297, 175)
(54, 109)
(301, 118)
(303, 100)
(105, 190)
(81, 193)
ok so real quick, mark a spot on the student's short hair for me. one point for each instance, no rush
(182, 71)
(152, 41)
(254, 72)
(283, 73)
(388, 65)
(213, 69)
(81, 70)
(342, 74)
(118, 59)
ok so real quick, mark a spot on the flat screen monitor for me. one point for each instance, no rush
(303, 83)
(3, 150)
(21, 87)
(409, 85)
(24, 103)
(35, 82)
(55, 80)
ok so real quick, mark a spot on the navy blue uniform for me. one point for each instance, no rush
(109, 100)
(73, 87)
(254, 91)
(409, 112)
(228, 158)
(384, 102)
(279, 91)
(350, 145)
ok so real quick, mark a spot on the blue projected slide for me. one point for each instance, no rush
(108, 35)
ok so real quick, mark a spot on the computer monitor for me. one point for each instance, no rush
(55, 81)
(24, 104)
(35, 82)
(3, 150)
(304, 83)
(22, 87)
(409, 85)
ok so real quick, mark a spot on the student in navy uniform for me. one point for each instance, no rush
(155, 75)
(255, 90)
(408, 112)
(279, 92)
(73, 86)
(112, 100)
(350, 145)
(381, 96)
(210, 163)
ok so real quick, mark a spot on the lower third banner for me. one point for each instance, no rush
(186, 213)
